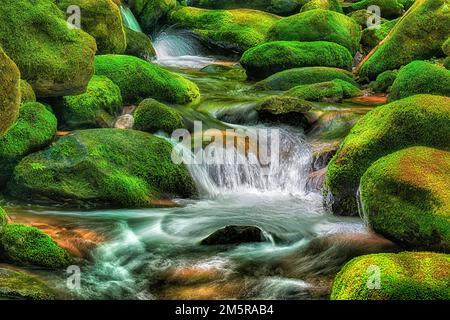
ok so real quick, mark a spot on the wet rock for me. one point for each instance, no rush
(234, 235)
(285, 109)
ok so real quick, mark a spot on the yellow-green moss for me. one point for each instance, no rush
(332, 5)
(281, 7)
(153, 116)
(389, 8)
(151, 13)
(22, 285)
(26, 92)
(9, 92)
(334, 90)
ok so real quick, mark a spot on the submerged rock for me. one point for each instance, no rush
(234, 235)
(9, 92)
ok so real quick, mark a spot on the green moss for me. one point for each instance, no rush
(332, 5)
(335, 90)
(389, 8)
(372, 37)
(446, 47)
(384, 81)
(419, 35)
(102, 20)
(153, 116)
(53, 58)
(26, 92)
(97, 107)
(417, 120)
(28, 245)
(139, 45)
(281, 7)
(269, 58)
(33, 130)
(238, 29)
(22, 285)
(139, 79)
(285, 109)
(318, 25)
(9, 92)
(361, 17)
(102, 168)
(3, 219)
(447, 63)
(288, 79)
(151, 12)
(405, 197)
(420, 77)
(404, 276)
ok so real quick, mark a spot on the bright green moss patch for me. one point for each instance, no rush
(282, 7)
(26, 92)
(417, 120)
(269, 58)
(335, 90)
(420, 77)
(53, 58)
(372, 37)
(139, 79)
(405, 197)
(3, 219)
(362, 16)
(33, 130)
(288, 79)
(419, 35)
(9, 92)
(153, 116)
(389, 8)
(97, 107)
(332, 5)
(102, 20)
(384, 81)
(30, 246)
(403, 276)
(139, 45)
(238, 29)
(103, 168)
(319, 25)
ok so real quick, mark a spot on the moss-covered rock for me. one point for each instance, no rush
(33, 130)
(153, 116)
(96, 108)
(281, 7)
(318, 25)
(405, 197)
(30, 246)
(418, 35)
(23, 286)
(403, 276)
(332, 5)
(9, 92)
(446, 47)
(139, 79)
(371, 37)
(26, 92)
(417, 120)
(389, 8)
(288, 79)
(420, 77)
(362, 16)
(330, 91)
(237, 30)
(384, 81)
(3, 219)
(55, 59)
(272, 57)
(151, 12)
(285, 109)
(102, 168)
(102, 20)
(139, 45)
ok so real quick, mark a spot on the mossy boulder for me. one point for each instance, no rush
(54, 58)
(3, 219)
(272, 57)
(30, 246)
(405, 197)
(362, 16)
(33, 130)
(446, 47)
(102, 20)
(403, 276)
(419, 35)
(371, 37)
(285, 109)
(26, 92)
(9, 92)
(139, 45)
(153, 116)
(417, 120)
(288, 79)
(236, 30)
(96, 108)
(281, 7)
(389, 8)
(150, 13)
(139, 79)
(332, 5)
(420, 77)
(102, 168)
(330, 91)
(318, 25)
(384, 81)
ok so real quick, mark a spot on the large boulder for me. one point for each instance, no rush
(96, 108)
(54, 58)
(150, 13)
(371, 37)
(153, 116)
(419, 35)
(330, 91)
(281, 7)
(102, 20)
(234, 235)
(318, 25)
(33, 130)
(139, 45)
(389, 8)
(420, 77)
(391, 276)
(9, 92)
(405, 197)
(236, 30)
(103, 168)
(288, 79)
(417, 120)
(272, 57)
(139, 79)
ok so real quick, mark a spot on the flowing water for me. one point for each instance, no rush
(155, 253)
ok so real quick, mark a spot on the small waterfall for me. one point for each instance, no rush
(129, 20)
